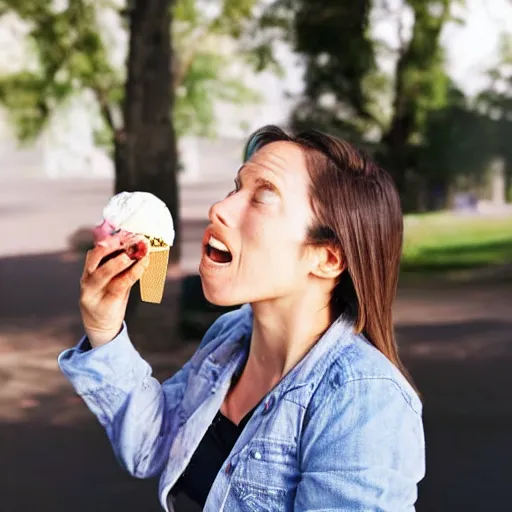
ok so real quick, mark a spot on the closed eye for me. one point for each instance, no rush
(266, 194)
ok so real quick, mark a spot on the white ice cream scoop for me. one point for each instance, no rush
(140, 213)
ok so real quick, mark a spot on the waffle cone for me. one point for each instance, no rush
(152, 282)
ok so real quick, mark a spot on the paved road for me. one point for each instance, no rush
(456, 340)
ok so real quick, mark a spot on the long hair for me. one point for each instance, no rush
(358, 212)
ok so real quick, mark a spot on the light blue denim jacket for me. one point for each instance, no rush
(341, 432)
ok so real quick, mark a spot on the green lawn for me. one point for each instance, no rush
(447, 242)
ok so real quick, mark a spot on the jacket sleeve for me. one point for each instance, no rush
(362, 450)
(117, 385)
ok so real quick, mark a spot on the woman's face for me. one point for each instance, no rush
(253, 249)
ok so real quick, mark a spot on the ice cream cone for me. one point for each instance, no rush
(152, 282)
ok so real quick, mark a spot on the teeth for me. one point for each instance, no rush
(217, 244)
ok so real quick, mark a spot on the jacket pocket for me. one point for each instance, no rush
(266, 477)
(254, 497)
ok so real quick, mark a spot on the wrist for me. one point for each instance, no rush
(98, 338)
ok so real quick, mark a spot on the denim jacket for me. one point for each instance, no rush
(342, 431)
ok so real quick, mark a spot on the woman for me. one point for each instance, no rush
(298, 400)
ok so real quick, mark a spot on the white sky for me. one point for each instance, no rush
(473, 47)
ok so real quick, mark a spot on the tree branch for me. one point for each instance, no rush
(105, 109)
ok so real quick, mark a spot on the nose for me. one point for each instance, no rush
(218, 214)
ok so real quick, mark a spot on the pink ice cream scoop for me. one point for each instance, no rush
(119, 240)
(103, 231)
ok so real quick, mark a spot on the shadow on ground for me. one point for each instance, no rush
(463, 370)
(66, 468)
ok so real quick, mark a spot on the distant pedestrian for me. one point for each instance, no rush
(298, 400)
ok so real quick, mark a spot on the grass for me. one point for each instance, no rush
(449, 242)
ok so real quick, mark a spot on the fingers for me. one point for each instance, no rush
(136, 247)
(116, 277)
(100, 278)
(95, 256)
(122, 282)
(112, 265)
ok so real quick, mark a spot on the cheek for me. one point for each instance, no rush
(271, 236)
(273, 247)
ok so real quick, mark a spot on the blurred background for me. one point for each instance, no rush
(99, 96)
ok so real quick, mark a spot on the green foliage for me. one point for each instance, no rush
(348, 94)
(332, 37)
(421, 67)
(205, 49)
(194, 109)
(70, 57)
(457, 141)
(495, 105)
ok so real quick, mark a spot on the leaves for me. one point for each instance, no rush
(72, 57)
(194, 109)
(332, 37)
(210, 42)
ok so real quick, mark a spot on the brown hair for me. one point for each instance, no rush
(358, 211)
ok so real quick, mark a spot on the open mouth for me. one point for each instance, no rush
(217, 251)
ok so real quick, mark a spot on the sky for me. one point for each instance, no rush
(473, 46)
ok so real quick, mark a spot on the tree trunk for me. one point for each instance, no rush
(416, 58)
(145, 150)
(146, 154)
(508, 182)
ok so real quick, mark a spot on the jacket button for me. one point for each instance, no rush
(228, 468)
(268, 405)
(257, 455)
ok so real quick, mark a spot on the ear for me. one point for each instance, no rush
(328, 262)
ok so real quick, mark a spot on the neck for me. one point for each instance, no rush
(284, 330)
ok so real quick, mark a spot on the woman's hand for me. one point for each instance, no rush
(109, 273)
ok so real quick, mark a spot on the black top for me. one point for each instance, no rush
(215, 447)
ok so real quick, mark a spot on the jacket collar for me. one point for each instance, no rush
(309, 370)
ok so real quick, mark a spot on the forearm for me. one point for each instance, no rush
(116, 385)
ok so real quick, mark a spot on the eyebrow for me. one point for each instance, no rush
(260, 180)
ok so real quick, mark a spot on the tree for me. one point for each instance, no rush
(332, 37)
(72, 58)
(137, 104)
(145, 147)
(495, 104)
(421, 85)
(209, 37)
(348, 94)
(457, 144)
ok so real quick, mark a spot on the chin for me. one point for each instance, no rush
(219, 297)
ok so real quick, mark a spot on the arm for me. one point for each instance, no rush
(362, 450)
(133, 407)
